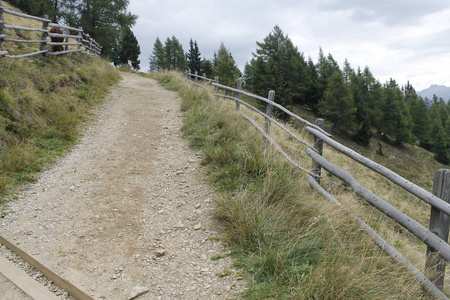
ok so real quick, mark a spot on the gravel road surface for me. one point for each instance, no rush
(127, 207)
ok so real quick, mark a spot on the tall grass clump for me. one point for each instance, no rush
(43, 102)
(290, 243)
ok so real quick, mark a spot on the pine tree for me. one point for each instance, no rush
(274, 80)
(248, 76)
(225, 67)
(293, 68)
(311, 93)
(194, 57)
(447, 132)
(278, 61)
(337, 103)
(104, 20)
(443, 111)
(129, 49)
(421, 119)
(438, 138)
(175, 58)
(361, 97)
(255, 76)
(372, 93)
(348, 71)
(206, 67)
(396, 117)
(326, 66)
(158, 57)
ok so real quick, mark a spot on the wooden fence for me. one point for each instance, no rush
(435, 237)
(79, 39)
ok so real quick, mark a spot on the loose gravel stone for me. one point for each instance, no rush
(131, 186)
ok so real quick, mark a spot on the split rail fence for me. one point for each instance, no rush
(435, 237)
(79, 39)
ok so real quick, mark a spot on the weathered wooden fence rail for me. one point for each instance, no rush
(438, 252)
(62, 39)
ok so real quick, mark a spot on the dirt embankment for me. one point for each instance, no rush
(127, 206)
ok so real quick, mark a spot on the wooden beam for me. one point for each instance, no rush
(23, 281)
(280, 107)
(71, 288)
(392, 176)
(385, 246)
(410, 224)
(14, 13)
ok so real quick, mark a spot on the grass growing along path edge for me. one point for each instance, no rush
(43, 103)
(290, 242)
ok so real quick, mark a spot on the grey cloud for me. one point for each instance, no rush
(366, 32)
(388, 12)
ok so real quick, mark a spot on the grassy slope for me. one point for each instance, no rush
(412, 162)
(292, 244)
(43, 102)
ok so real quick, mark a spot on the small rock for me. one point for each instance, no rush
(180, 225)
(197, 227)
(160, 252)
(137, 291)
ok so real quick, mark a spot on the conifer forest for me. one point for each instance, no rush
(353, 101)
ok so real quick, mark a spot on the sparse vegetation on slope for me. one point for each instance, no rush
(43, 101)
(291, 243)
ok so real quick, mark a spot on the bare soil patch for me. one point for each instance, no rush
(127, 206)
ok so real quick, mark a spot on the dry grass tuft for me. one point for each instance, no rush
(43, 104)
(290, 241)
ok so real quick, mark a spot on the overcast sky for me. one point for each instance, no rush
(400, 39)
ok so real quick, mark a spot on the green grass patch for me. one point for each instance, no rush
(290, 243)
(224, 274)
(167, 80)
(217, 257)
(43, 104)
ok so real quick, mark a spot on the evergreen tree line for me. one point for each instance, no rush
(171, 56)
(353, 101)
(108, 22)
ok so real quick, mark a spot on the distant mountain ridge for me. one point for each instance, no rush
(441, 91)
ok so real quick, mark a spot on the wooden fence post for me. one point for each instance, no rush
(239, 87)
(439, 224)
(2, 21)
(318, 145)
(88, 44)
(269, 110)
(79, 40)
(44, 35)
(216, 80)
(92, 48)
(196, 76)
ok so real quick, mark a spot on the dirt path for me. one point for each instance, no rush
(127, 206)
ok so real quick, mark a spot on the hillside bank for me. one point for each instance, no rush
(44, 102)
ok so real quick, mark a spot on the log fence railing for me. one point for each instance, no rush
(435, 237)
(81, 40)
